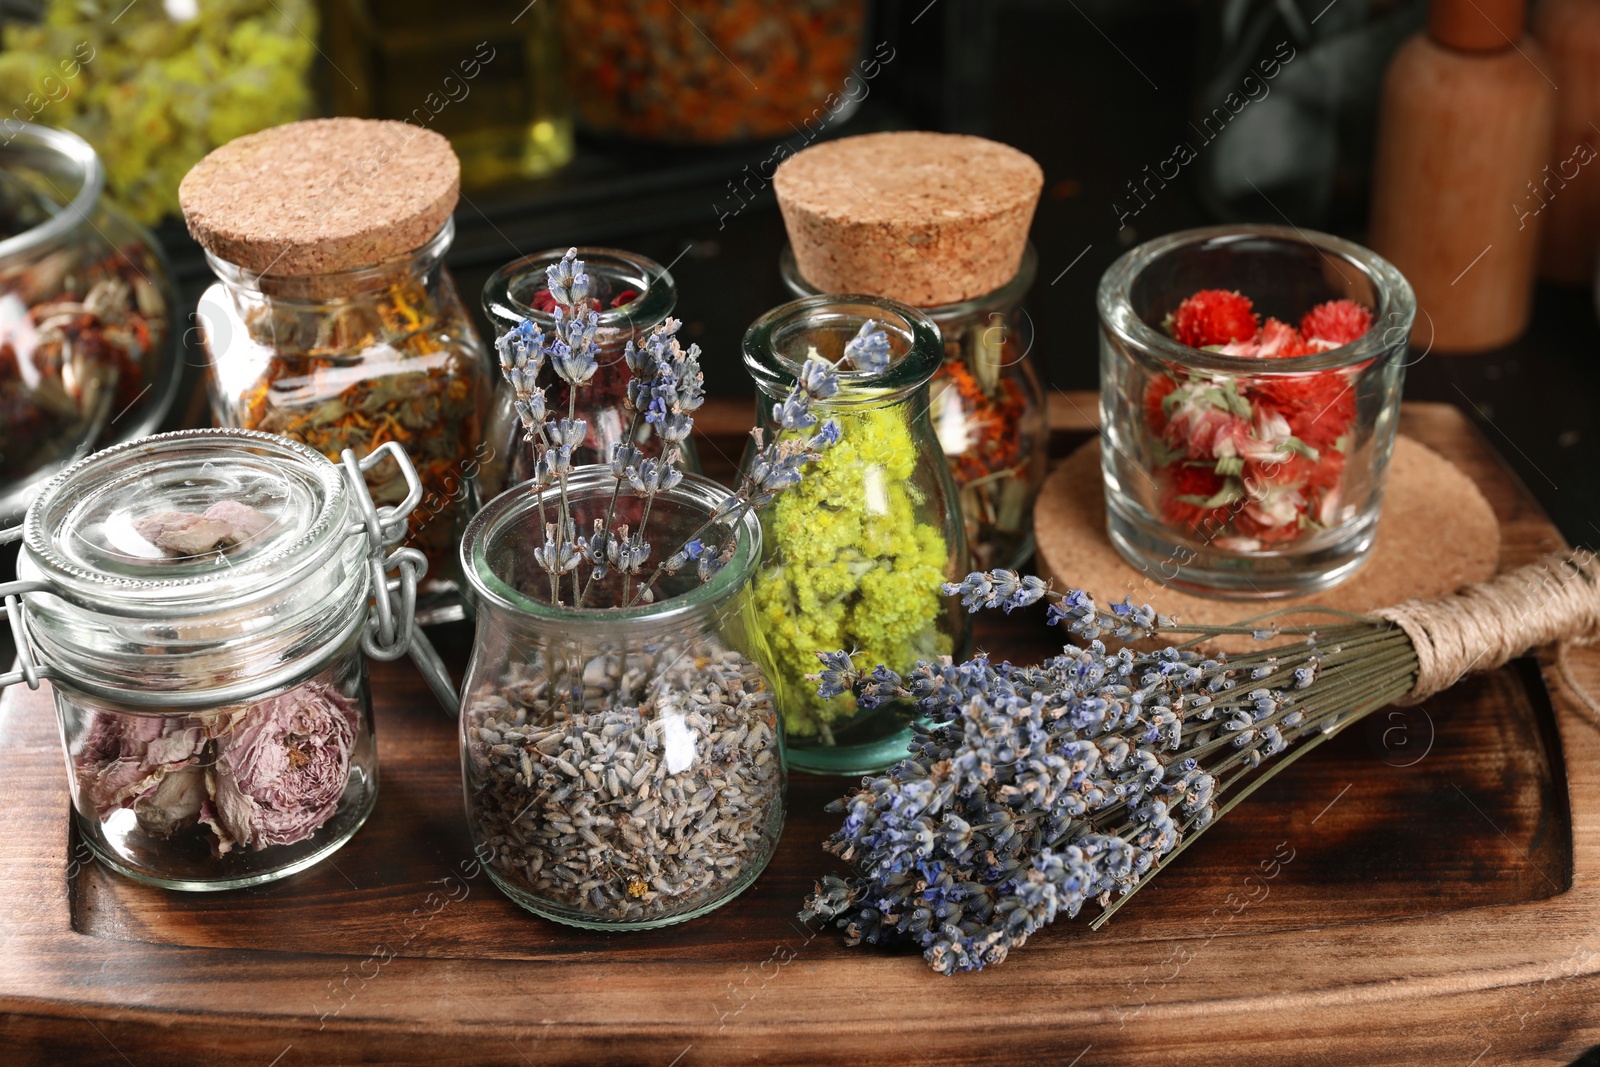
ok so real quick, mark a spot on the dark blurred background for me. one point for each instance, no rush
(1098, 91)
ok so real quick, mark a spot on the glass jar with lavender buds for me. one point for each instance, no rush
(988, 411)
(620, 736)
(630, 295)
(199, 602)
(855, 554)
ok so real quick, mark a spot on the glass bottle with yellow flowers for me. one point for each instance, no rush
(854, 556)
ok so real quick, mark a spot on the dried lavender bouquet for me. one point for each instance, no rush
(630, 781)
(1032, 791)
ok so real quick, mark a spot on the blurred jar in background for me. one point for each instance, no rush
(483, 74)
(708, 71)
(1284, 109)
(154, 86)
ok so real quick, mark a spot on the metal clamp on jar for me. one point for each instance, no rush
(200, 601)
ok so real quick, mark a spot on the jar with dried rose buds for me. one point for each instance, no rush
(1249, 393)
(86, 353)
(632, 294)
(335, 322)
(199, 602)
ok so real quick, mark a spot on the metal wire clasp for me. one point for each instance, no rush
(391, 622)
(27, 670)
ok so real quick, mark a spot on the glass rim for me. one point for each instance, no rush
(352, 280)
(1397, 308)
(120, 595)
(83, 161)
(514, 504)
(658, 292)
(775, 374)
(1011, 292)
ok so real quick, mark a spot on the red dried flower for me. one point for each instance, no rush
(1338, 321)
(1186, 489)
(1160, 387)
(1319, 407)
(1214, 317)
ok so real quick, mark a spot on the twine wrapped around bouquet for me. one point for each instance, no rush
(1555, 600)
(1034, 790)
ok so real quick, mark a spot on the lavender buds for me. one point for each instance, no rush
(1032, 791)
(665, 389)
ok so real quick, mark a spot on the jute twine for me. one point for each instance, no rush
(1553, 601)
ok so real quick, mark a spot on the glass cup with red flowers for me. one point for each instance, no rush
(1249, 388)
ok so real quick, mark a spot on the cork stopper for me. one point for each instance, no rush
(1477, 25)
(322, 195)
(922, 218)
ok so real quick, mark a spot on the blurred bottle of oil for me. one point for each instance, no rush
(485, 74)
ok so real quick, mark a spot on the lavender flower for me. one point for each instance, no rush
(869, 348)
(665, 389)
(1030, 792)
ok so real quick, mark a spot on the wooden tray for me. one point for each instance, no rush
(1435, 900)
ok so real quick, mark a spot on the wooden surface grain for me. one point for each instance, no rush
(1435, 899)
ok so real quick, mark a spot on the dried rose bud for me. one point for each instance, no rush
(184, 533)
(281, 768)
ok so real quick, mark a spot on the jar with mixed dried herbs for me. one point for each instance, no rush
(632, 295)
(709, 71)
(855, 554)
(156, 86)
(940, 221)
(86, 355)
(199, 602)
(335, 322)
(988, 412)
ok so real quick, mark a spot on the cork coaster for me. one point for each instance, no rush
(922, 218)
(1436, 533)
(322, 195)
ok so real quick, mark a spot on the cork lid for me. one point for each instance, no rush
(322, 195)
(923, 218)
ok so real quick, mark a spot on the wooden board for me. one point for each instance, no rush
(1436, 899)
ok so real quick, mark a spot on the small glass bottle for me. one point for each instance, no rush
(624, 765)
(342, 339)
(1240, 475)
(988, 411)
(633, 294)
(488, 77)
(199, 601)
(86, 352)
(855, 554)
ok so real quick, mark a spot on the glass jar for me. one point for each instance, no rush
(855, 554)
(633, 294)
(623, 765)
(354, 359)
(711, 72)
(86, 354)
(1242, 475)
(199, 601)
(156, 86)
(989, 412)
(488, 77)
